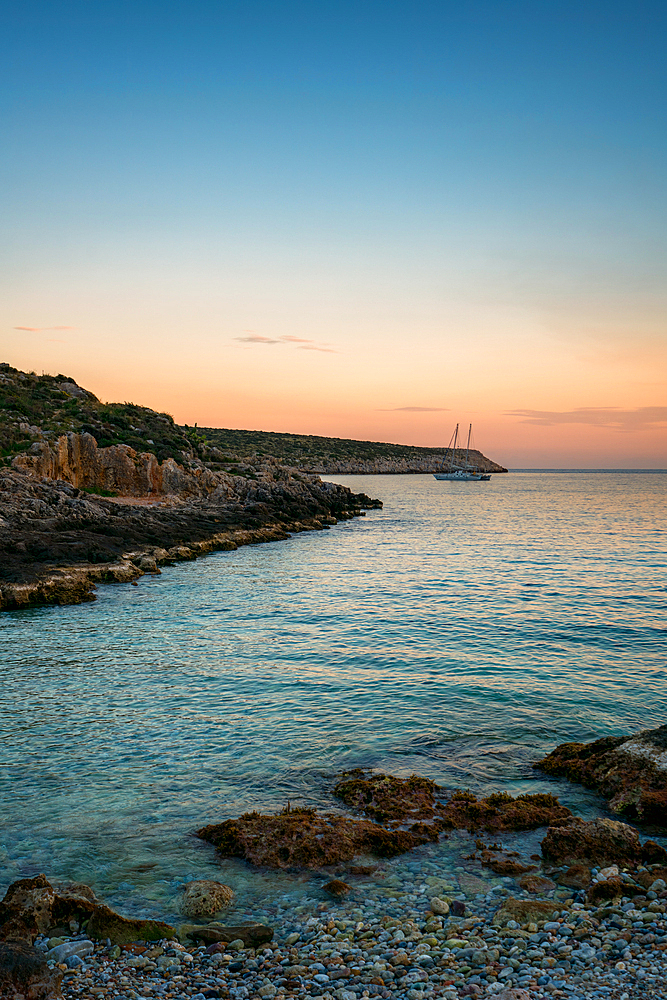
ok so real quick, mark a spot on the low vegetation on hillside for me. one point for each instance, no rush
(41, 407)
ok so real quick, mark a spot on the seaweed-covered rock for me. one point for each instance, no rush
(630, 771)
(24, 972)
(385, 798)
(597, 842)
(502, 812)
(304, 838)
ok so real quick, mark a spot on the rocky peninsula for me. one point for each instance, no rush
(93, 492)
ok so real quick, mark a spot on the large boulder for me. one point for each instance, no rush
(597, 842)
(24, 972)
(630, 771)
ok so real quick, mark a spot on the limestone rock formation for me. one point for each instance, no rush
(34, 905)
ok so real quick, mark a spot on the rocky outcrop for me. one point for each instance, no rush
(58, 541)
(76, 459)
(501, 812)
(34, 906)
(304, 838)
(412, 463)
(630, 771)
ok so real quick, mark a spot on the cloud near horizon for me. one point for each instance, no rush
(303, 344)
(414, 409)
(641, 418)
(42, 329)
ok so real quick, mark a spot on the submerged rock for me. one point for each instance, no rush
(630, 771)
(384, 798)
(304, 838)
(205, 898)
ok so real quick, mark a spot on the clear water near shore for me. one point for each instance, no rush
(459, 633)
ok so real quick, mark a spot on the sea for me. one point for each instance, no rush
(461, 633)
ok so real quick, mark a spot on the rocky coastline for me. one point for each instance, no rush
(585, 918)
(60, 535)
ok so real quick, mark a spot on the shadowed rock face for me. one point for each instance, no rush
(630, 771)
(23, 970)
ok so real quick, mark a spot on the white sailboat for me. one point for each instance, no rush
(461, 473)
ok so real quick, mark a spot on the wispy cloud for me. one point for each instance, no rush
(316, 347)
(641, 418)
(256, 339)
(415, 409)
(42, 329)
(301, 343)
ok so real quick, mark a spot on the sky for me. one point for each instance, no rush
(368, 219)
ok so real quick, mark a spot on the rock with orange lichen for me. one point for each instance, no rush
(304, 838)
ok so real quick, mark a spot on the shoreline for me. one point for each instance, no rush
(58, 542)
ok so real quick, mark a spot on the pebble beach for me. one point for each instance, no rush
(359, 949)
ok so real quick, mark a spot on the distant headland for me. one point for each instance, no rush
(96, 492)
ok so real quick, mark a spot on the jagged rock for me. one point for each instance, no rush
(303, 838)
(252, 935)
(630, 771)
(27, 909)
(597, 842)
(23, 971)
(524, 911)
(205, 898)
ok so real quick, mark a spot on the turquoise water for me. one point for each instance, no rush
(461, 632)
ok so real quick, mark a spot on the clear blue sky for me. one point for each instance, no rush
(396, 186)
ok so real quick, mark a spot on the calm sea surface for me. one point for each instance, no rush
(459, 633)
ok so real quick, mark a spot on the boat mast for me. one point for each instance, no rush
(451, 460)
(468, 448)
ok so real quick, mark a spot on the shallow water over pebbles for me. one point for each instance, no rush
(460, 633)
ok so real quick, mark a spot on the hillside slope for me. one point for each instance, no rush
(40, 408)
